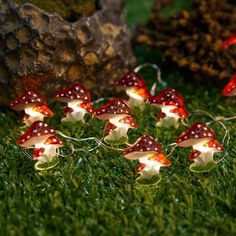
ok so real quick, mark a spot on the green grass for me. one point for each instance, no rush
(94, 193)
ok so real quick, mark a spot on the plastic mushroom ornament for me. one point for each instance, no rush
(79, 102)
(114, 133)
(151, 158)
(203, 141)
(230, 89)
(41, 136)
(118, 113)
(228, 42)
(135, 88)
(172, 107)
(34, 105)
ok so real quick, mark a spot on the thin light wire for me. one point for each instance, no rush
(155, 67)
(102, 99)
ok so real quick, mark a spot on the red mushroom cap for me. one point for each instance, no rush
(43, 109)
(74, 92)
(140, 167)
(145, 145)
(38, 152)
(86, 106)
(36, 133)
(67, 111)
(54, 140)
(198, 132)
(181, 112)
(161, 116)
(194, 154)
(228, 42)
(129, 121)
(113, 109)
(131, 79)
(168, 97)
(30, 97)
(161, 158)
(142, 92)
(109, 127)
(230, 89)
(214, 145)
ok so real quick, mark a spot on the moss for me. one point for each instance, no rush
(70, 10)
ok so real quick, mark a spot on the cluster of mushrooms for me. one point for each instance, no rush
(117, 112)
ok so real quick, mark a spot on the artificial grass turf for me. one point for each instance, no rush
(94, 193)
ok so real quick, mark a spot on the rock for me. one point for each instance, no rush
(95, 50)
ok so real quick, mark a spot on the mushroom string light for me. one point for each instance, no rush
(34, 105)
(172, 107)
(151, 158)
(230, 89)
(79, 102)
(114, 133)
(118, 113)
(46, 143)
(203, 140)
(135, 88)
(229, 41)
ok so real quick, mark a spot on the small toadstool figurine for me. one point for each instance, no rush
(114, 133)
(46, 143)
(150, 155)
(172, 107)
(34, 105)
(135, 88)
(118, 113)
(230, 89)
(203, 140)
(79, 102)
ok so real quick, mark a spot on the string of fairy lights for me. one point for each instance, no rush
(45, 143)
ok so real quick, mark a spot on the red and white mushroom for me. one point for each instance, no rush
(203, 140)
(230, 89)
(79, 102)
(172, 107)
(34, 105)
(135, 88)
(198, 134)
(229, 41)
(118, 113)
(114, 132)
(44, 139)
(150, 155)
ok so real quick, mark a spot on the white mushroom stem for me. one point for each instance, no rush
(134, 98)
(206, 155)
(49, 153)
(33, 116)
(78, 112)
(149, 171)
(117, 133)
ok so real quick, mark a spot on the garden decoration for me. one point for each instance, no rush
(172, 107)
(150, 155)
(195, 46)
(119, 117)
(79, 102)
(34, 105)
(230, 89)
(91, 49)
(229, 41)
(204, 143)
(41, 136)
(135, 88)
